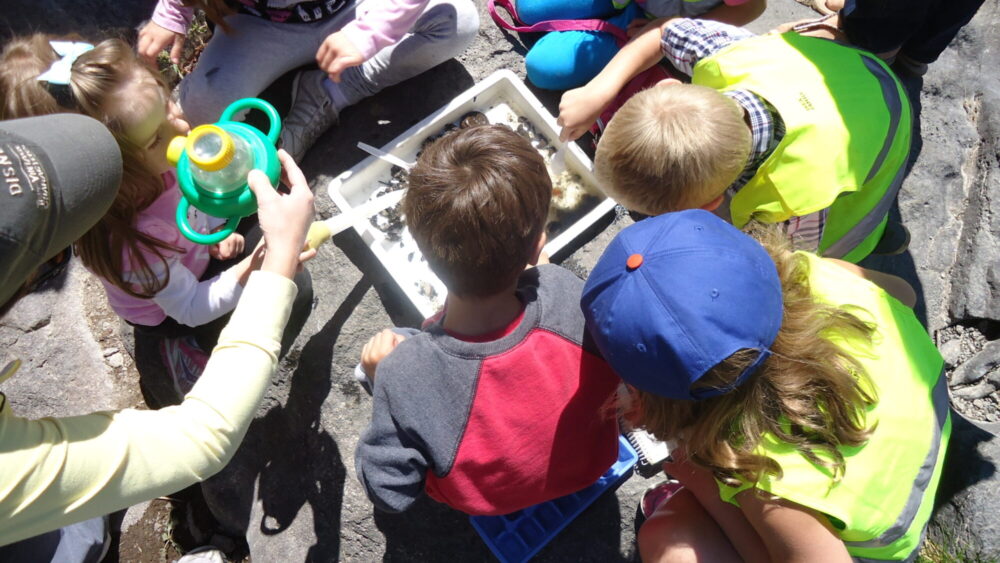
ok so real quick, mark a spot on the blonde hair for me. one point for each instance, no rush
(102, 85)
(672, 147)
(810, 393)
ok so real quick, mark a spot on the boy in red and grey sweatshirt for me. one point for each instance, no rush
(497, 404)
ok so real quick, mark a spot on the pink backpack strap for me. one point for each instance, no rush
(551, 25)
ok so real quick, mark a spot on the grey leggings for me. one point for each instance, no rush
(257, 51)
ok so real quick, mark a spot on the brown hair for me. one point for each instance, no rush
(810, 393)
(672, 147)
(101, 81)
(476, 206)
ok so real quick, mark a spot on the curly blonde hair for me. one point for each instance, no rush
(810, 393)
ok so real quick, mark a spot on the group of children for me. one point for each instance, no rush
(805, 398)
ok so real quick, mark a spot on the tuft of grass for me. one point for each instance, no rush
(198, 35)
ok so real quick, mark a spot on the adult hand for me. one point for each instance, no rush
(153, 39)
(377, 348)
(230, 247)
(284, 218)
(579, 109)
(337, 54)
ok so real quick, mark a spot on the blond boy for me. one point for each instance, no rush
(780, 128)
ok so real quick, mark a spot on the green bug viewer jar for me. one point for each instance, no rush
(212, 166)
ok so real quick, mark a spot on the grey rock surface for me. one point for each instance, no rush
(293, 483)
(965, 525)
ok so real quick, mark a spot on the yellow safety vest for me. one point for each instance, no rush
(884, 499)
(847, 135)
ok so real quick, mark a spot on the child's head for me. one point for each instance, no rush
(724, 342)
(672, 147)
(476, 206)
(107, 83)
(110, 84)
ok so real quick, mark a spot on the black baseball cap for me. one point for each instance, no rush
(59, 174)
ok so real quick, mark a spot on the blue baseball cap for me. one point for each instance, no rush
(674, 295)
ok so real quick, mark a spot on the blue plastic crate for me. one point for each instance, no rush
(517, 537)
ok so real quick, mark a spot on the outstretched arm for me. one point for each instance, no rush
(580, 107)
(63, 470)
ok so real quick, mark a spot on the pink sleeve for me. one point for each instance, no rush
(382, 24)
(172, 15)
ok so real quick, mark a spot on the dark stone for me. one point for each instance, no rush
(966, 524)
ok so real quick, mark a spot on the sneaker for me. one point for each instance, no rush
(895, 240)
(312, 113)
(908, 66)
(185, 361)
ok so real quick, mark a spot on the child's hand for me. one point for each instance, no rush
(827, 27)
(177, 119)
(638, 26)
(230, 247)
(378, 348)
(579, 109)
(337, 54)
(153, 39)
(284, 219)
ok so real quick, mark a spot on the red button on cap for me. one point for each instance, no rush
(634, 261)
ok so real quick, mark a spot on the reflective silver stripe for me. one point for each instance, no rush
(859, 232)
(890, 93)
(939, 398)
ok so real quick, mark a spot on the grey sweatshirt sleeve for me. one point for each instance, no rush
(388, 463)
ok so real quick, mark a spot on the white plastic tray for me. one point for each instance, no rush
(502, 97)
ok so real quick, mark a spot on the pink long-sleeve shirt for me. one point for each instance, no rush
(378, 23)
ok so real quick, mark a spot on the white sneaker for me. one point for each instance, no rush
(311, 115)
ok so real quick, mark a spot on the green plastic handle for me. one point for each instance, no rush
(202, 238)
(274, 128)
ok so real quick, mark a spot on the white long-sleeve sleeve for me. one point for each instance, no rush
(194, 303)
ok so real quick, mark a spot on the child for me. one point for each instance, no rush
(908, 34)
(497, 404)
(779, 128)
(568, 59)
(157, 280)
(361, 47)
(808, 402)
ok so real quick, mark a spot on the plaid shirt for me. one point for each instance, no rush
(687, 41)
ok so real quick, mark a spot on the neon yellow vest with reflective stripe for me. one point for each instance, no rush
(884, 499)
(847, 135)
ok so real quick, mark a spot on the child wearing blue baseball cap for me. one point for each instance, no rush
(808, 402)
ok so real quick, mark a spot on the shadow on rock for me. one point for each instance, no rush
(966, 525)
(292, 460)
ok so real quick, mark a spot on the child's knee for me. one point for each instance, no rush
(568, 59)
(200, 97)
(668, 535)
